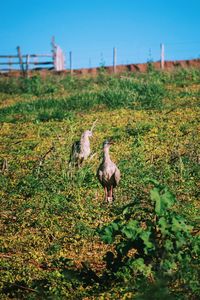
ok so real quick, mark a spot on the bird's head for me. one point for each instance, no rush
(88, 133)
(108, 143)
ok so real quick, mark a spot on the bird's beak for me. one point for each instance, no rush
(93, 125)
(111, 142)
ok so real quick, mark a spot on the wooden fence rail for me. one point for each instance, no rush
(24, 61)
(55, 62)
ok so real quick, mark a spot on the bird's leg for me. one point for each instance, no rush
(110, 195)
(106, 193)
(113, 195)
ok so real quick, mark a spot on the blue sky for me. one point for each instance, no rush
(91, 28)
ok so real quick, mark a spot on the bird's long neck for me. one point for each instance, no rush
(106, 155)
(85, 143)
(85, 139)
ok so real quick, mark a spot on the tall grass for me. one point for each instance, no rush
(134, 91)
(113, 93)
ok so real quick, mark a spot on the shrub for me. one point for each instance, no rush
(152, 241)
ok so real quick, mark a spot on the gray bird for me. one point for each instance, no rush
(81, 149)
(108, 173)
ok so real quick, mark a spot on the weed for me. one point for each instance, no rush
(51, 214)
(156, 243)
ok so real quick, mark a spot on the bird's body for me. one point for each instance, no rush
(81, 149)
(108, 173)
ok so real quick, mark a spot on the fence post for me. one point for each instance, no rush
(70, 62)
(162, 56)
(53, 51)
(20, 60)
(27, 63)
(114, 59)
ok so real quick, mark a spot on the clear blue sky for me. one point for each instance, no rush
(91, 28)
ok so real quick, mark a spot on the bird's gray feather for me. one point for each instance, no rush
(108, 174)
(81, 149)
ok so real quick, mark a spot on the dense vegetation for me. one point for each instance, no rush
(59, 240)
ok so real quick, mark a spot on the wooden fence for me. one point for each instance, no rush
(54, 60)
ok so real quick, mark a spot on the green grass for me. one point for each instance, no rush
(51, 214)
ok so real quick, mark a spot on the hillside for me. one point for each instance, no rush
(53, 240)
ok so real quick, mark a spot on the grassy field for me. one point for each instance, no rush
(57, 234)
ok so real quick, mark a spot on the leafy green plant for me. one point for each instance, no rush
(151, 242)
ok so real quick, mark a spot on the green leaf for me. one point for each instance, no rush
(167, 198)
(145, 235)
(163, 199)
(131, 230)
(109, 232)
(163, 225)
(181, 242)
(155, 197)
(169, 265)
(153, 181)
(168, 245)
(178, 225)
(107, 238)
(115, 226)
(139, 266)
